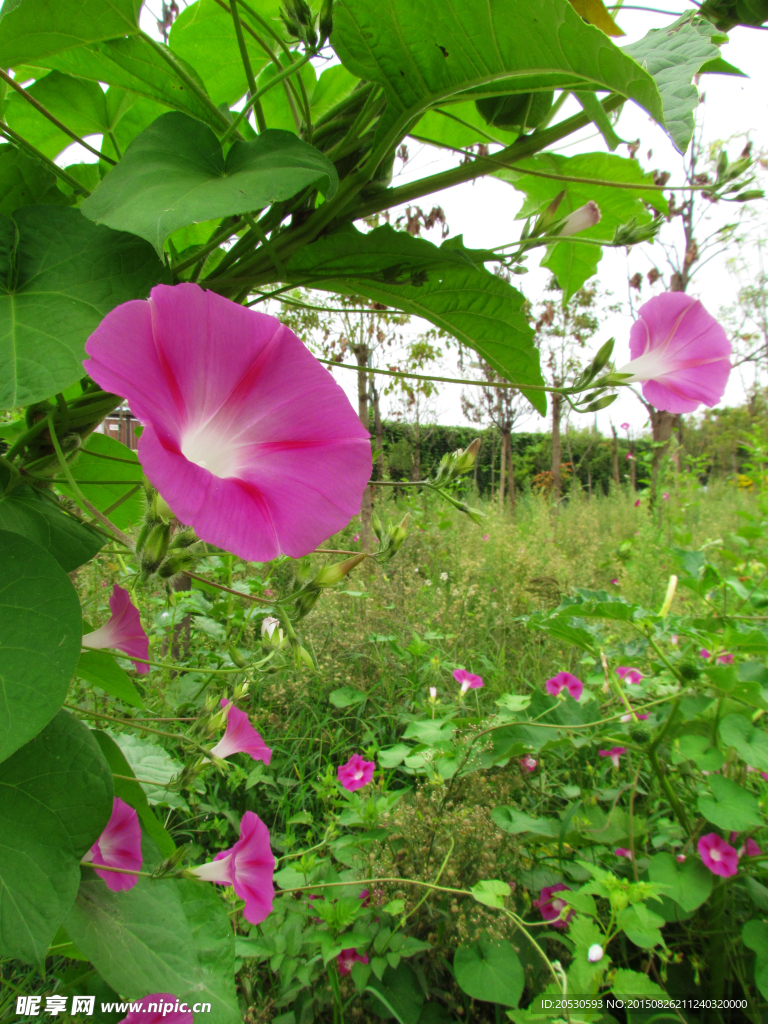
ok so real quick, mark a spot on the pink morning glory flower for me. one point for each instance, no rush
(347, 959)
(719, 856)
(246, 436)
(680, 858)
(240, 737)
(122, 630)
(679, 352)
(118, 846)
(665, 496)
(622, 851)
(614, 753)
(160, 1008)
(565, 681)
(615, 582)
(628, 718)
(550, 905)
(486, 536)
(356, 537)
(468, 680)
(704, 653)
(529, 763)
(764, 776)
(356, 773)
(725, 659)
(638, 503)
(631, 676)
(750, 849)
(585, 217)
(248, 867)
(624, 426)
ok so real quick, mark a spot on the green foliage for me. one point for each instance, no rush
(35, 29)
(122, 501)
(24, 181)
(55, 799)
(490, 972)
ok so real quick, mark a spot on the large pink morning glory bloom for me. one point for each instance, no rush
(248, 867)
(347, 959)
(550, 906)
(632, 676)
(356, 773)
(118, 846)
(679, 352)
(565, 681)
(719, 856)
(468, 680)
(160, 1008)
(240, 737)
(614, 753)
(122, 630)
(246, 436)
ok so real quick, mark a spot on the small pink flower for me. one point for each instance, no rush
(624, 426)
(160, 1008)
(248, 867)
(629, 456)
(680, 858)
(585, 217)
(719, 856)
(486, 536)
(550, 905)
(665, 496)
(347, 959)
(615, 582)
(764, 776)
(118, 846)
(725, 659)
(679, 352)
(674, 639)
(468, 680)
(529, 763)
(622, 851)
(704, 653)
(564, 680)
(750, 849)
(356, 537)
(638, 503)
(122, 630)
(614, 753)
(356, 773)
(628, 718)
(631, 676)
(246, 436)
(365, 897)
(240, 737)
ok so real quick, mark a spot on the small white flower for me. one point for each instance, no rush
(428, 583)
(595, 953)
(269, 625)
(444, 576)
(415, 568)
(433, 693)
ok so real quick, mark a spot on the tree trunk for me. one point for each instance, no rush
(556, 447)
(378, 429)
(366, 507)
(615, 464)
(633, 472)
(503, 470)
(510, 469)
(662, 425)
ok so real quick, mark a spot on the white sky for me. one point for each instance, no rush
(484, 212)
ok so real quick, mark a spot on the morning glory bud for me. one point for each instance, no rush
(585, 217)
(330, 575)
(595, 953)
(155, 547)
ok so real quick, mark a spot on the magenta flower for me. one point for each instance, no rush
(704, 653)
(248, 867)
(764, 776)
(486, 536)
(356, 773)
(622, 851)
(118, 846)
(468, 680)
(637, 503)
(628, 717)
(529, 763)
(750, 849)
(365, 897)
(680, 858)
(122, 630)
(665, 496)
(246, 436)
(615, 582)
(160, 1008)
(550, 905)
(719, 856)
(356, 537)
(631, 676)
(624, 426)
(614, 753)
(565, 681)
(347, 959)
(585, 217)
(240, 737)
(679, 352)
(725, 659)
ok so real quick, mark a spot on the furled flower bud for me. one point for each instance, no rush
(595, 953)
(155, 547)
(175, 564)
(330, 575)
(184, 539)
(585, 217)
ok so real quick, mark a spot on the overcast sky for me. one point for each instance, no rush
(484, 212)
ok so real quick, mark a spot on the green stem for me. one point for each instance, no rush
(117, 871)
(73, 183)
(142, 728)
(675, 803)
(217, 238)
(220, 586)
(54, 120)
(258, 93)
(266, 245)
(254, 100)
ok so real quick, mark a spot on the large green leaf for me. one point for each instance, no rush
(458, 126)
(175, 173)
(80, 105)
(446, 285)
(154, 766)
(132, 63)
(100, 669)
(749, 742)
(160, 936)
(36, 515)
(129, 790)
(688, 884)
(55, 799)
(673, 56)
(490, 971)
(34, 29)
(40, 641)
(397, 995)
(509, 819)
(24, 181)
(59, 276)
(105, 494)
(730, 807)
(204, 36)
(571, 261)
(423, 53)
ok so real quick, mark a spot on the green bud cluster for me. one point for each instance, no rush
(456, 464)
(391, 537)
(161, 550)
(301, 23)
